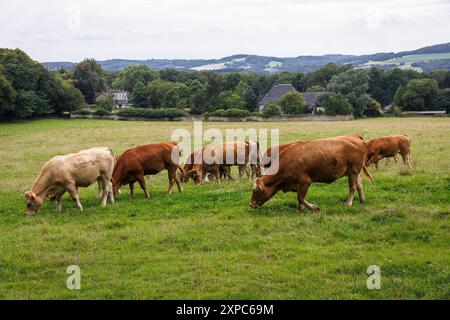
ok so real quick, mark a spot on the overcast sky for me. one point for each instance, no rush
(60, 30)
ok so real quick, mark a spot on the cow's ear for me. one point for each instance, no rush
(30, 195)
(258, 185)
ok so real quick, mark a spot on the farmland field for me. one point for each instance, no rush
(207, 243)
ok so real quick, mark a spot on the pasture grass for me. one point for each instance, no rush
(206, 243)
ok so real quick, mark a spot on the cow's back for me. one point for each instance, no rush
(151, 158)
(86, 166)
(324, 160)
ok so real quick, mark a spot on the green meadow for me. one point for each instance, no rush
(206, 243)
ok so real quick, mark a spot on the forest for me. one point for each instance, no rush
(28, 90)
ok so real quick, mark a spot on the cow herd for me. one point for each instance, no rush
(287, 167)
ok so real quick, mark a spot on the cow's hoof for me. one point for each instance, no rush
(314, 208)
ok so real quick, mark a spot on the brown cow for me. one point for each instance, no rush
(149, 159)
(210, 158)
(387, 147)
(305, 162)
(68, 173)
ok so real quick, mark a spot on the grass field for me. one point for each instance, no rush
(207, 243)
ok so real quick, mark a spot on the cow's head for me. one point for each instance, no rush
(371, 158)
(261, 193)
(33, 202)
(195, 175)
(116, 187)
(183, 175)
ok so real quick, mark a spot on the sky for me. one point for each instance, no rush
(61, 30)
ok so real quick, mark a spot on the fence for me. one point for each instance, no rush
(305, 117)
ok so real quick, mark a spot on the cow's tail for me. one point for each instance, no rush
(114, 157)
(367, 174)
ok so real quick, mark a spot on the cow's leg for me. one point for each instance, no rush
(359, 186)
(376, 164)
(254, 169)
(228, 173)
(171, 172)
(178, 182)
(105, 189)
(302, 189)
(406, 158)
(409, 160)
(100, 188)
(131, 184)
(58, 202)
(240, 171)
(352, 187)
(110, 193)
(141, 180)
(216, 173)
(72, 189)
(247, 171)
(395, 158)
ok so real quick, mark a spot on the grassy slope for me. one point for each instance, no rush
(207, 243)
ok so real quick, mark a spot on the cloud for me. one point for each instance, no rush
(72, 30)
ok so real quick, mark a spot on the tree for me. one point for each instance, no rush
(272, 109)
(323, 76)
(378, 86)
(37, 91)
(418, 95)
(335, 103)
(443, 102)
(69, 98)
(316, 88)
(292, 103)
(398, 77)
(29, 104)
(140, 96)
(129, 77)
(353, 84)
(245, 90)
(20, 69)
(107, 103)
(442, 78)
(7, 99)
(197, 97)
(175, 96)
(373, 108)
(89, 79)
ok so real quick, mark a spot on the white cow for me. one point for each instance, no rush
(68, 173)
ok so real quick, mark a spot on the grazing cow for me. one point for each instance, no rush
(211, 157)
(68, 173)
(224, 170)
(305, 162)
(389, 147)
(149, 159)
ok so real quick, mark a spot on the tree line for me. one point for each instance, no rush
(28, 90)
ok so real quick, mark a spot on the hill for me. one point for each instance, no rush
(426, 59)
